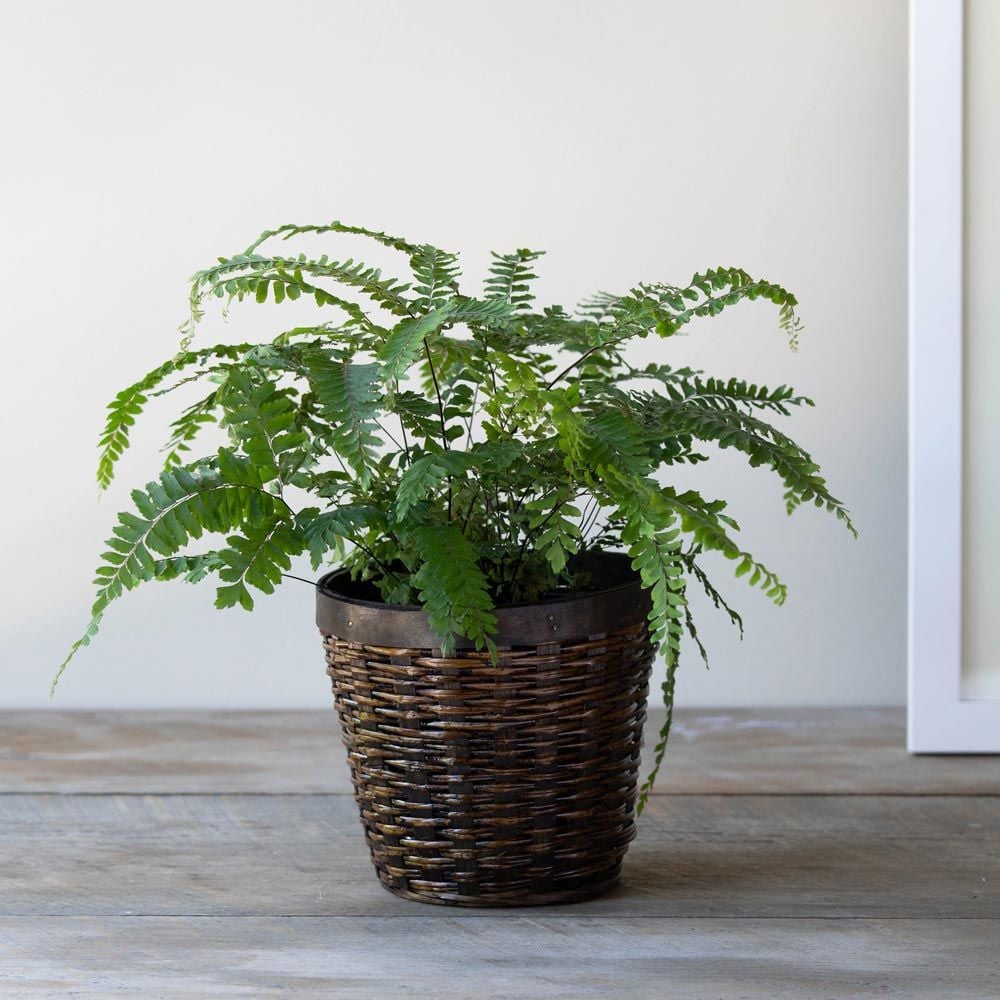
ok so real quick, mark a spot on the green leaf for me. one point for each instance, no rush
(667, 308)
(186, 428)
(648, 530)
(406, 340)
(129, 403)
(181, 506)
(452, 587)
(256, 558)
(243, 275)
(760, 442)
(349, 397)
(426, 474)
(436, 274)
(510, 277)
(286, 232)
(659, 750)
(190, 569)
(327, 531)
(704, 521)
(264, 420)
(89, 633)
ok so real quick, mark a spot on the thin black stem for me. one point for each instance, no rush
(382, 426)
(528, 535)
(472, 417)
(374, 558)
(437, 392)
(472, 504)
(583, 357)
(590, 516)
(444, 428)
(406, 443)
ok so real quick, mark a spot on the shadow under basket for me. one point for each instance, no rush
(507, 784)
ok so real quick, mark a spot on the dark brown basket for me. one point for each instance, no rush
(495, 785)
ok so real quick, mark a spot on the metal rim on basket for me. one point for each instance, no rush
(558, 619)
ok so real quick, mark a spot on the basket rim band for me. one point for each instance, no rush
(561, 619)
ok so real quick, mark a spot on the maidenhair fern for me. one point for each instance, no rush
(460, 451)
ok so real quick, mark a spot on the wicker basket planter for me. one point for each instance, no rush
(495, 785)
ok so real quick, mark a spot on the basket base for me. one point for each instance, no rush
(507, 899)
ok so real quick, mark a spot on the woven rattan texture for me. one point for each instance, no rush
(486, 784)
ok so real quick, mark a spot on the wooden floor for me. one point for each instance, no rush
(202, 855)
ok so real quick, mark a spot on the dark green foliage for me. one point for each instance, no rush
(129, 403)
(262, 419)
(256, 558)
(406, 341)
(510, 274)
(458, 451)
(452, 587)
(435, 275)
(348, 396)
(192, 569)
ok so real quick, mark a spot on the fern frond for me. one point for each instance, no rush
(761, 443)
(667, 689)
(187, 427)
(179, 507)
(182, 505)
(554, 523)
(85, 640)
(718, 601)
(605, 437)
(654, 553)
(452, 588)
(708, 294)
(190, 569)
(286, 232)
(425, 475)
(436, 274)
(554, 327)
(614, 439)
(323, 331)
(652, 538)
(406, 340)
(652, 542)
(732, 393)
(349, 396)
(263, 420)
(291, 284)
(704, 521)
(666, 374)
(129, 403)
(510, 277)
(256, 558)
(492, 312)
(327, 531)
(253, 274)
(416, 412)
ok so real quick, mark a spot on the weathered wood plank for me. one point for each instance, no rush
(171, 751)
(822, 751)
(696, 856)
(500, 957)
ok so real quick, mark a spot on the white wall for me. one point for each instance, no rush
(636, 140)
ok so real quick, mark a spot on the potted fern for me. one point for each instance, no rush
(480, 478)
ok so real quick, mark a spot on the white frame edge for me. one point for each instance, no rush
(938, 720)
